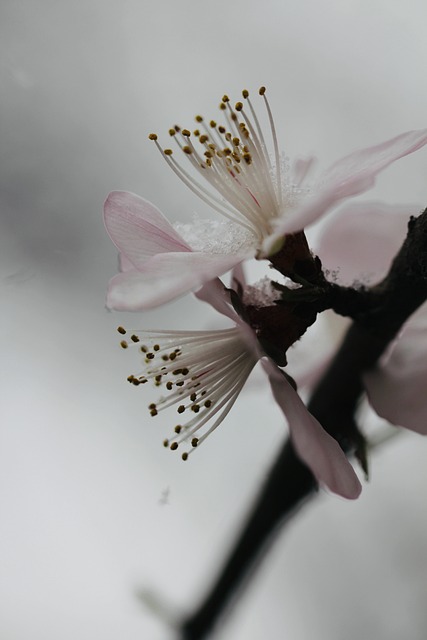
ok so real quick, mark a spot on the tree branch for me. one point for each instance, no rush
(379, 315)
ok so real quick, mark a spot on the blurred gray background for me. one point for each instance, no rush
(93, 509)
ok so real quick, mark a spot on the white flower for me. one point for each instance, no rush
(229, 168)
(200, 375)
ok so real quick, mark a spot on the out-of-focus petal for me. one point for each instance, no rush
(125, 264)
(320, 452)
(165, 277)
(360, 240)
(349, 176)
(138, 229)
(397, 388)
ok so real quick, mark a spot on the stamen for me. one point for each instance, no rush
(202, 380)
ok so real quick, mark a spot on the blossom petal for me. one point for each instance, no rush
(360, 240)
(397, 387)
(138, 229)
(351, 175)
(165, 277)
(320, 452)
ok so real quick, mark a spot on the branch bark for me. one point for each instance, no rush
(378, 316)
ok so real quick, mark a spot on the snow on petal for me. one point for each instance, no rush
(320, 452)
(360, 240)
(165, 277)
(138, 229)
(397, 387)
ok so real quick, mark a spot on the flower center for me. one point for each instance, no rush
(233, 159)
(201, 373)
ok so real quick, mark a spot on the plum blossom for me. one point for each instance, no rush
(201, 374)
(261, 199)
(397, 387)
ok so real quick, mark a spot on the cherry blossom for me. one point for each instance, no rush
(260, 198)
(200, 374)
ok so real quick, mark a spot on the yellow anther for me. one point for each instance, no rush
(188, 150)
(196, 132)
(143, 348)
(203, 138)
(225, 98)
(165, 443)
(172, 132)
(199, 119)
(186, 133)
(121, 330)
(261, 91)
(245, 93)
(168, 152)
(208, 154)
(152, 136)
(184, 456)
(236, 142)
(238, 106)
(212, 123)
(222, 106)
(124, 344)
(178, 428)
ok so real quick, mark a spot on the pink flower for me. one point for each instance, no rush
(360, 241)
(261, 200)
(201, 374)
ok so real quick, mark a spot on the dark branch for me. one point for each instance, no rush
(379, 314)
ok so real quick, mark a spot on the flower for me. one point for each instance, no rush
(201, 374)
(396, 387)
(260, 199)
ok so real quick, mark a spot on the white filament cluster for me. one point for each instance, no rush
(245, 185)
(201, 373)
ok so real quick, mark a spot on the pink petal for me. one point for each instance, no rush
(138, 229)
(361, 239)
(165, 277)
(320, 452)
(125, 264)
(301, 168)
(397, 388)
(352, 175)
(215, 294)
